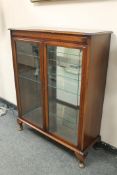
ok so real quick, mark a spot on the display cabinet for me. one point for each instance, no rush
(60, 79)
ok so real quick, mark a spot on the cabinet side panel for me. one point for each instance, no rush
(95, 88)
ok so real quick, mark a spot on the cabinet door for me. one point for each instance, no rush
(29, 80)
(64, 65)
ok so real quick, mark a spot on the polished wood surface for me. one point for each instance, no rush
(68, 31)
(95, 48)
(95, 88)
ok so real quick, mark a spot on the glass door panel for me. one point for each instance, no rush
(28, 60)
(64, 84)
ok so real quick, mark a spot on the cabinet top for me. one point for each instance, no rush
(69, 31)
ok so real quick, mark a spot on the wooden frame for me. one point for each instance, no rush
(95, 48)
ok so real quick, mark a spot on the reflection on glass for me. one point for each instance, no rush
(29, 80)
(64, 84)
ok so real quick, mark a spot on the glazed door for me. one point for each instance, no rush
(64, 71)
(29, 66)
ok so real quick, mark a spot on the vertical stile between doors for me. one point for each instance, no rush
(41, 48)
(45, 73)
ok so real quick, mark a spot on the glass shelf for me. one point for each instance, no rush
(21, 76)
(65, 64)
(30, 74)
(69, 99)
(67, 91)
(67, 118)
(63, 84)
(28, 55)
(53, 76)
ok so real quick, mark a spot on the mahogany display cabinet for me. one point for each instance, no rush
(60, 79)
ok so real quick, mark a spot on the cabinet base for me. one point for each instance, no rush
(81, 156)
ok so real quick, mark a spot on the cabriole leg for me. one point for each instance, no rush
(20, 125)
(81, 164)
(81, 159)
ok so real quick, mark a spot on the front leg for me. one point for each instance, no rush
(81, 159)
(20, 123)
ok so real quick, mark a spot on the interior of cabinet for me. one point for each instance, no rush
(64, 68)
(28, 58)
